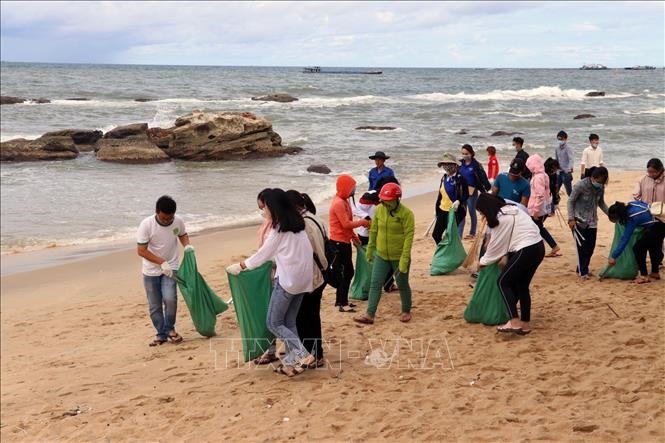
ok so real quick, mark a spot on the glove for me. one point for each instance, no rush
(189, 248)
(455, 205)
(166, 269)
(234, 269)
(404, 266)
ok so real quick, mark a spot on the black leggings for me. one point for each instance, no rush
(650, 241)
(544, 233)
(442, 222)
(344, 267)
(308, 322)
(516, 277)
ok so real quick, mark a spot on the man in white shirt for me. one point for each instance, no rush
(157, 244)
(592, 157)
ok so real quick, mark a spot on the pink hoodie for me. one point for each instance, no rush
(540, 187)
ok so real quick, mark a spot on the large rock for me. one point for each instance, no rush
(376, 128)
(78, 99)
(577, 117)
(595, 94)
(40, 100)
(223, 136)
(84, 139)
(319, 169)
(43, 148)
(159, 136)
(9, 100)
(462, 132)
(500, 133)
(279, 97)
(129, 150)
(143, 99)
(133, 130)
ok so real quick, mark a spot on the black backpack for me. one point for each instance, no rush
(329, 274)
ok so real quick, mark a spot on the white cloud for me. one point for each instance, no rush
(586, 27)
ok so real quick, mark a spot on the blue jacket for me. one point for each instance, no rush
(638, 216)
(375, 176)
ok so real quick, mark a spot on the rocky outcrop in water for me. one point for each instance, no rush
(376, 128)
(595, 94)
(43, 148)
(133, 130)
(129, 150)
(84, 139)
(319, 169)
(78, 99)
(462, 132)
(577, 117)
(500, 133)
(279, 97)
(9, 100)
(222, 136)
(144, 99)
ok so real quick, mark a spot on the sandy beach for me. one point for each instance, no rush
(76, 365)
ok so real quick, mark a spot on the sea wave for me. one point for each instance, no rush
(547, 93)
(648, 111)
(515, 114)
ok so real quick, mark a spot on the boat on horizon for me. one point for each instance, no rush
(318, 70)
(593, 67)
(640, 68)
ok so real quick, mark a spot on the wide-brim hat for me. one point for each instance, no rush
(447, 158)
(379, 154)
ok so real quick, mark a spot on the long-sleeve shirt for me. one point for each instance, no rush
(364, 210)
(650, 190)
(293, 256)
(515, 231)
(638, 216)
(583, 203)
(565, 156)
(492, 167)
(523, 155)
(391, 235)
(375, 176)
(592, 157)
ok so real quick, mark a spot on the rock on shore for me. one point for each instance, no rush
(129, 150)
(43, 148)
(279, 97)
(84, 139)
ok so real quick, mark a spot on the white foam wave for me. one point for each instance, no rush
(384, 131)
(515, 114)
(6, 137)
(648, 111)
(547, 93)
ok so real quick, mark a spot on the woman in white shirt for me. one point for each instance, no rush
(291, 249)
(512, 233)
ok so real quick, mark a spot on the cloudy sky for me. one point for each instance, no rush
(368, 34)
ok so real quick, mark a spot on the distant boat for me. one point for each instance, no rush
(641, 68)
(593, 67)
(318, 70)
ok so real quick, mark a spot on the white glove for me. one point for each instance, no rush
(455, 205)
(234, 269)
(166, 269)
(189, 248)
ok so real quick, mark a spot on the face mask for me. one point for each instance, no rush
(265, 212)
(594, 145)
(450, 171)
(390, 205)
(466, 157)
(561, 142)
(596, 185)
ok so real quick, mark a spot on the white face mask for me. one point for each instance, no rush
(594, 145)
(265, 213)
(561, 142)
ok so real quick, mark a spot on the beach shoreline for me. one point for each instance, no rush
(76, 365)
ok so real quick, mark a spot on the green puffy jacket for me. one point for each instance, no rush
(392, 235)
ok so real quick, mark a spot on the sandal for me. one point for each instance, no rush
(157, 342)
(364, 320)
(508, 329)
(265, 359)
(642, 279)
(174, 337)
(554, 253)
(305, 362)
(405, 317)
(290, 371)
(347, 308)
(654, 276)
(317, 364)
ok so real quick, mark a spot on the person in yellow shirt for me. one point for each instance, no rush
(453, 188)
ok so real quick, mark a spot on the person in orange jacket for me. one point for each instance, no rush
(341, 235)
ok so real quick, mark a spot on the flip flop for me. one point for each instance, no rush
(157, 342)
(364, 320)
(508, 330)
(342, 309)
(405, 317)
(523, 331)
(553, 254)
(265, 359)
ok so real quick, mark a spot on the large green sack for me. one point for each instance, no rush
(486, 305)
(449, 254)
(201, 300)
(626, 265)
(251, 291)
(362, 276)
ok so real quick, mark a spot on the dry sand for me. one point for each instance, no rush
(74, 337)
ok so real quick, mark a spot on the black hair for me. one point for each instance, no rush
(489, 205)
(618, 213)
(491, 150)
(593, 137)
(384, 180)
(282, 212)
(519, 140)
(262, 195)
(166, 205)
(600, 172)
(562, 134)
(470, 149)
(301, 200)
(551, 166)
(656, 164)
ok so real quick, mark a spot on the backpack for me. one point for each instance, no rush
(329, 276)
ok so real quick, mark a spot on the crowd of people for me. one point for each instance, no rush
(514, 205)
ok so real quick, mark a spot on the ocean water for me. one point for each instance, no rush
(86, 201)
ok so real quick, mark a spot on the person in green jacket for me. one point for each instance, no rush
(390, 241)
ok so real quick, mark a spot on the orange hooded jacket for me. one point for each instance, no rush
(340, 215)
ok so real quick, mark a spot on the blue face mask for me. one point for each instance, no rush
(596, 185)
(561, 142)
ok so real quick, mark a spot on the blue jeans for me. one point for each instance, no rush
(162, 303)
(566, 179)
(281, 321)
(471, 209)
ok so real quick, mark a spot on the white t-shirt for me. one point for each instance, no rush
(294, 259)
(592, 157)
(162, 241)
(516, 230)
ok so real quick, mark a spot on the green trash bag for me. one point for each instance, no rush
(201, 300)
(450, 253)
(251, 290)
(486, 305)
(626, 265)
(362, 276)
